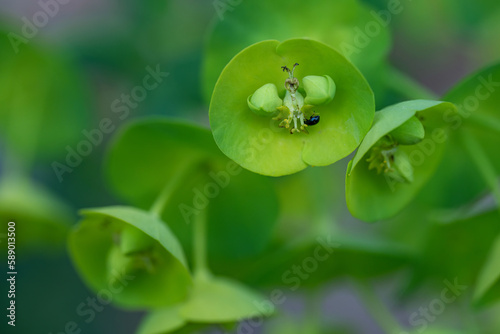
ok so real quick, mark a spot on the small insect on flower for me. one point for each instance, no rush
(312, 121)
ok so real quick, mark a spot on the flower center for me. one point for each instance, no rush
(293, 112)
(386, 157)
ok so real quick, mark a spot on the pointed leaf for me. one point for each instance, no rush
(162, 321)
(219, 300)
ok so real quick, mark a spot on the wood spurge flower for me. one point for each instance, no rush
(251, 111)
(389, 167)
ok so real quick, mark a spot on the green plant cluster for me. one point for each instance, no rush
(212, 217)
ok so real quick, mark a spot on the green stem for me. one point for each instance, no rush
(406, 86)
(483, 164)
(180, 174)
(321, 183)
(200, 262)
(377, 309)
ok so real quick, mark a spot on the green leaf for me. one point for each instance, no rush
(213, 300)
(41, 218)
(487, 288)
(146, 155)
(455, 258)
(332, 255)
(162, 321)
(142, 153)
(95, 247)
(477, 98)
(340, 24)
(256, 143)
(44, 102)
(371, 196)
(220, 300)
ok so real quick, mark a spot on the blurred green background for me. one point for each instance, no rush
(91, 52)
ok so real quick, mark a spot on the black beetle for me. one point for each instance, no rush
(312, 121)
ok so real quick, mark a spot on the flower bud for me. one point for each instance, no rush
(402, 170)
(319, 89)
(410, 132)
(134, 240)
(265, 100)
(117, 262)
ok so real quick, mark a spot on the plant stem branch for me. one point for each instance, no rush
(408, 87)
(200, 262)
(483, 164)
(180, 174)
(377, 309)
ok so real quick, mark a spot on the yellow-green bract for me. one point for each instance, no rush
(257, 143)
(373, 196)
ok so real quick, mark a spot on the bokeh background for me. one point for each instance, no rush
(104, 48)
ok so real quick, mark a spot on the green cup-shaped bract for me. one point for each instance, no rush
(340, 24)
(373, 196)
(410, 132)
(41, 218)
(265, 100)
(256, 143)
(319, 89)
(132, 254)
